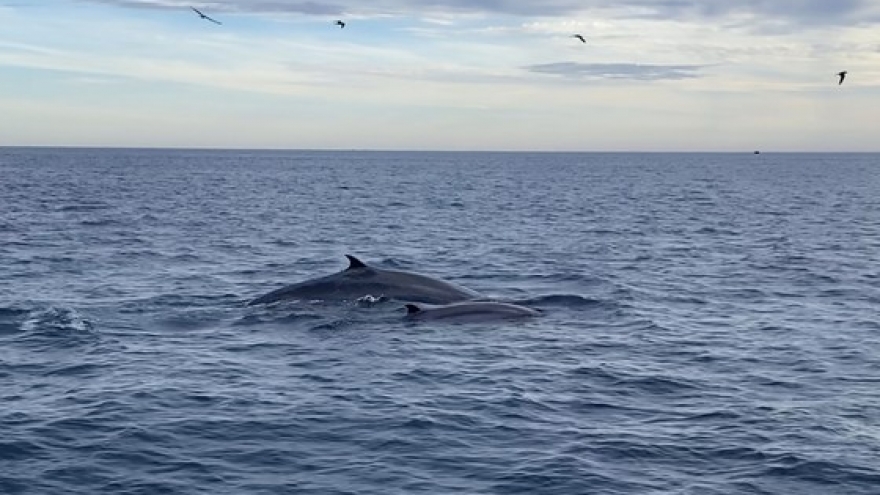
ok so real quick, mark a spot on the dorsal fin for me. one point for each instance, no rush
(354, 263)
(412, 309)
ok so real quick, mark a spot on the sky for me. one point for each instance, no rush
(653, 75)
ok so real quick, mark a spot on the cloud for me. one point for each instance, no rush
(256, 6)
(411, 7)
(815, 12)
(804, 10)
(635, 72)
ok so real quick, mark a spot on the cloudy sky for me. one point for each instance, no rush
(664, 75)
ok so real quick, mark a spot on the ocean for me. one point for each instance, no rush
(710, 323)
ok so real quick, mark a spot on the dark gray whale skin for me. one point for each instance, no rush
(470, 311)
(359, 280)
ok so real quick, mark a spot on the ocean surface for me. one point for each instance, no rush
(710, 324)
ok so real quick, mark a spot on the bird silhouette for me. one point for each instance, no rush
(579, 37)
(203, 16)
(842, 75)
(340, 24)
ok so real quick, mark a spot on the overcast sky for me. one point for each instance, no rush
(664, 75)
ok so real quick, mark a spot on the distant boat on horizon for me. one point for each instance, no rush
(757, 152)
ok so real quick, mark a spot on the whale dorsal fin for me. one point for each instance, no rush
(354, 263)
(412, 309)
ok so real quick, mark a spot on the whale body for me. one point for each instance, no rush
(360, 280)
(470, 311)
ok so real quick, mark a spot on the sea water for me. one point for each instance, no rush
(710, 323)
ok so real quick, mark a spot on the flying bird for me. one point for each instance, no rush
(203, 16)
(842, 75)
(340, 24)
(579, 37)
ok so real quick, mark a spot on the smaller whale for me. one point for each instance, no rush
(470, 311)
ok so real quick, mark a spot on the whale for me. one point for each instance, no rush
(470, 311)
(360, 281)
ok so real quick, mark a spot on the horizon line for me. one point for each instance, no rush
(411, 150)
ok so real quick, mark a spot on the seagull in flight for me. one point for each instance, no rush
(203, 16)
(842, 75)
(579, 37)
(340, 24)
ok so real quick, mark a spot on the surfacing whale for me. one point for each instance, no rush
(470, 311)
(360, 280)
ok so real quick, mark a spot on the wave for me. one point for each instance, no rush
(19, 450)
(824, 472)
(100, 222)
(56, 323)
(52, 326)
(188, 301)
(337, 324)
(10, 320)
(261, 317)
(84, 207)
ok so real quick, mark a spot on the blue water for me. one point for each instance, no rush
(710, 324)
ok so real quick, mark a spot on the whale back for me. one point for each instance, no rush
(359, 280)
(470, 311)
